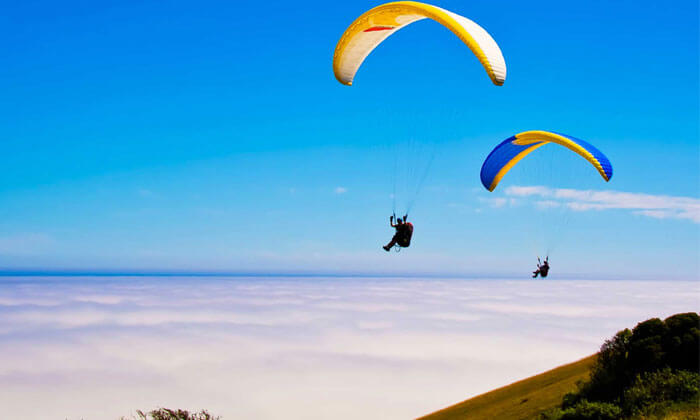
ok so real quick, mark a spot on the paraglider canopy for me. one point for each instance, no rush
(507, 154)
(377, 24)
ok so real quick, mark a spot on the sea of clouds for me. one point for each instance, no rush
(298, 348)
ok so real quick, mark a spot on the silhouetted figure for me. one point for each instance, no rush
(542, 268)
(404, 231)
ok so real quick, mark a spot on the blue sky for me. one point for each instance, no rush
(214, 136)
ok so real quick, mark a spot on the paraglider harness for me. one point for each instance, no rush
(404, 235)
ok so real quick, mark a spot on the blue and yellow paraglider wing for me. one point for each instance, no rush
(513, 149)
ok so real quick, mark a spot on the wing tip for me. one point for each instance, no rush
(343, 81)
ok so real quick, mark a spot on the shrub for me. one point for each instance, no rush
(586, 410)
(168, 414)
(662, 387)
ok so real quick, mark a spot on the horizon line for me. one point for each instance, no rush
(72, 272)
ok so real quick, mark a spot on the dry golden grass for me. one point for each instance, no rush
(521, 400)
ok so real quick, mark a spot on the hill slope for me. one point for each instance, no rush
(521, 400)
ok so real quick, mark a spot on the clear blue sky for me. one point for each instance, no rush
(213, 136)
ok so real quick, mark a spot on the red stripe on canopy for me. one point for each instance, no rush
(378, 28)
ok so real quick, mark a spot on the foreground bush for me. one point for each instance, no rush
(168, 414)
(585, 410)
(655, 389)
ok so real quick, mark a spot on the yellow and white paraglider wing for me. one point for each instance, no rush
(377, 24)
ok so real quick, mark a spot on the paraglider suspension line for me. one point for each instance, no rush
(393, 193)
(419, 187)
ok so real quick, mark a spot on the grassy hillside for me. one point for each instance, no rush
(525, 399)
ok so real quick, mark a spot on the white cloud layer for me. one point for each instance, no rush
(656, 206)
(340, 190)
(100, 348)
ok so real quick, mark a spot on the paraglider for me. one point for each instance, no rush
(377, 24)
(507, 154)
(515, 148)
(542, 268)
(371, 29)
(404, 232)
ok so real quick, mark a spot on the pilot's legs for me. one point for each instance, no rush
(388, 246)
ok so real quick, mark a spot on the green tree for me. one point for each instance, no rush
(652, 366)
(651, 346)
